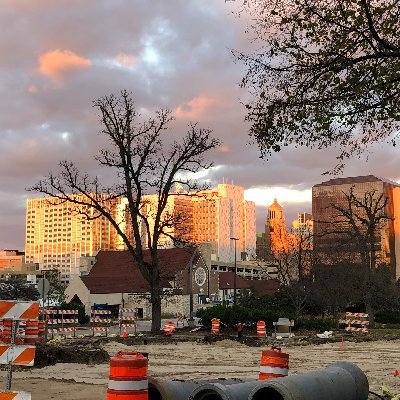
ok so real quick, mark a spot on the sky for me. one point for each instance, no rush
(59, 56)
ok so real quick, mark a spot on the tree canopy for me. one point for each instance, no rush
(326, 73)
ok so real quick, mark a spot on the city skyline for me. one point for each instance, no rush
(180, 60)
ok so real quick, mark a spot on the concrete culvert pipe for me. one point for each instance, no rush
(180, 389)
(340, 381)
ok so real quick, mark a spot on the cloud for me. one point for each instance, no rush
(57, 63)
(125, 60)
(197, 107)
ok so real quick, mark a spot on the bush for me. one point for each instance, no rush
(388, 317)
(230, 316)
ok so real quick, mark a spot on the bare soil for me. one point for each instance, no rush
(197, 360)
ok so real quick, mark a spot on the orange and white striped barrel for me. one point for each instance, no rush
(31, 332)
(42, 331)
(261, 331)
(274, 364)
(6, 332)
(15, 396)
(128, 377)
(169, 328)
(215, 324)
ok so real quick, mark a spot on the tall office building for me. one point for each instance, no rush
(332, 192)
(303, 227)
(57, 236)
(212, 216)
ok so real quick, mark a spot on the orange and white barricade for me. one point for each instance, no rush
(15, 396)
(100, 321)
(274, 364)
(127, 320)
(215, 326)
(356, 322)
(128, 377)
(261, 330)
(59, 320)
(21, 310)
(19, 355)
(169, 329)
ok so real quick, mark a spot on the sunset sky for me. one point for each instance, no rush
(59, 56)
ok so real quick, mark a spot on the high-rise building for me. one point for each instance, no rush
(57, 235)
(212, 216)
(330, 194)
(303, 227)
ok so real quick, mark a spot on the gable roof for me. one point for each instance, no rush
(117, 272)
(267, 286)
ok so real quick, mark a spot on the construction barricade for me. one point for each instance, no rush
(100, 322)
(215, 326)
(169, 328)
(60, 321)
(11, 353)
(261, 330)
(127, 320)
(355, 322)
(283, 328)
(128, 377)
(274, 364)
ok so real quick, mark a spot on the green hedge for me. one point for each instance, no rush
(387, 317)
(230, 316)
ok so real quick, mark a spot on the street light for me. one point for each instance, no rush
(234, 276)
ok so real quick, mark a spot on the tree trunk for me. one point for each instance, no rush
(155, 301)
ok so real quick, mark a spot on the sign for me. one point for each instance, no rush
(43, 287)
(21, 310)
(17, 355)
(15, 396)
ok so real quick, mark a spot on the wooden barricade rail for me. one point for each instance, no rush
(127, 319)
(100, 321)
(57, 319)
(355, 322)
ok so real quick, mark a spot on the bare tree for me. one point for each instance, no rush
(292, 256)
(143, 165)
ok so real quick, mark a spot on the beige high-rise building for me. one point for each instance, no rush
(212, 216)
(57, 236)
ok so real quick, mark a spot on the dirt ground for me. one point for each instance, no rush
(187, 360)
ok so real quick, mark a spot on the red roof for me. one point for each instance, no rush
(117, 272)
(261, 286)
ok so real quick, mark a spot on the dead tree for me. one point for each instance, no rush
(143, 165)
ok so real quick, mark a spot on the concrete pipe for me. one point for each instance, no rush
(340, 381)
(180, 389)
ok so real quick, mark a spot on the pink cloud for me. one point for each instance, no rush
(32, 89)
(126, 60)
(55, 64)
(196, 107)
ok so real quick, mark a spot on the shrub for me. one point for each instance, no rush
(388, 317)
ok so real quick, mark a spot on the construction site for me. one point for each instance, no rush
(79, 368)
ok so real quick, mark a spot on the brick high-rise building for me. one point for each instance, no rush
(333, 192)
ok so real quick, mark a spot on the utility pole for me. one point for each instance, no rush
(234, 276)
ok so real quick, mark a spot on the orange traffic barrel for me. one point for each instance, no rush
(42, 331)
(261, 332)
(169, 328)
(128, 377)
(31, 331)
(7, 330)
(215, 326)
(274, 364)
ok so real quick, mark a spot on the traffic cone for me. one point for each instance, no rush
(396, 373)
(124, 334)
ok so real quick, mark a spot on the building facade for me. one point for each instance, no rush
(330, 194)
(57, 235)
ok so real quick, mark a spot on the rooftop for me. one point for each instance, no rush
(356, 179)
